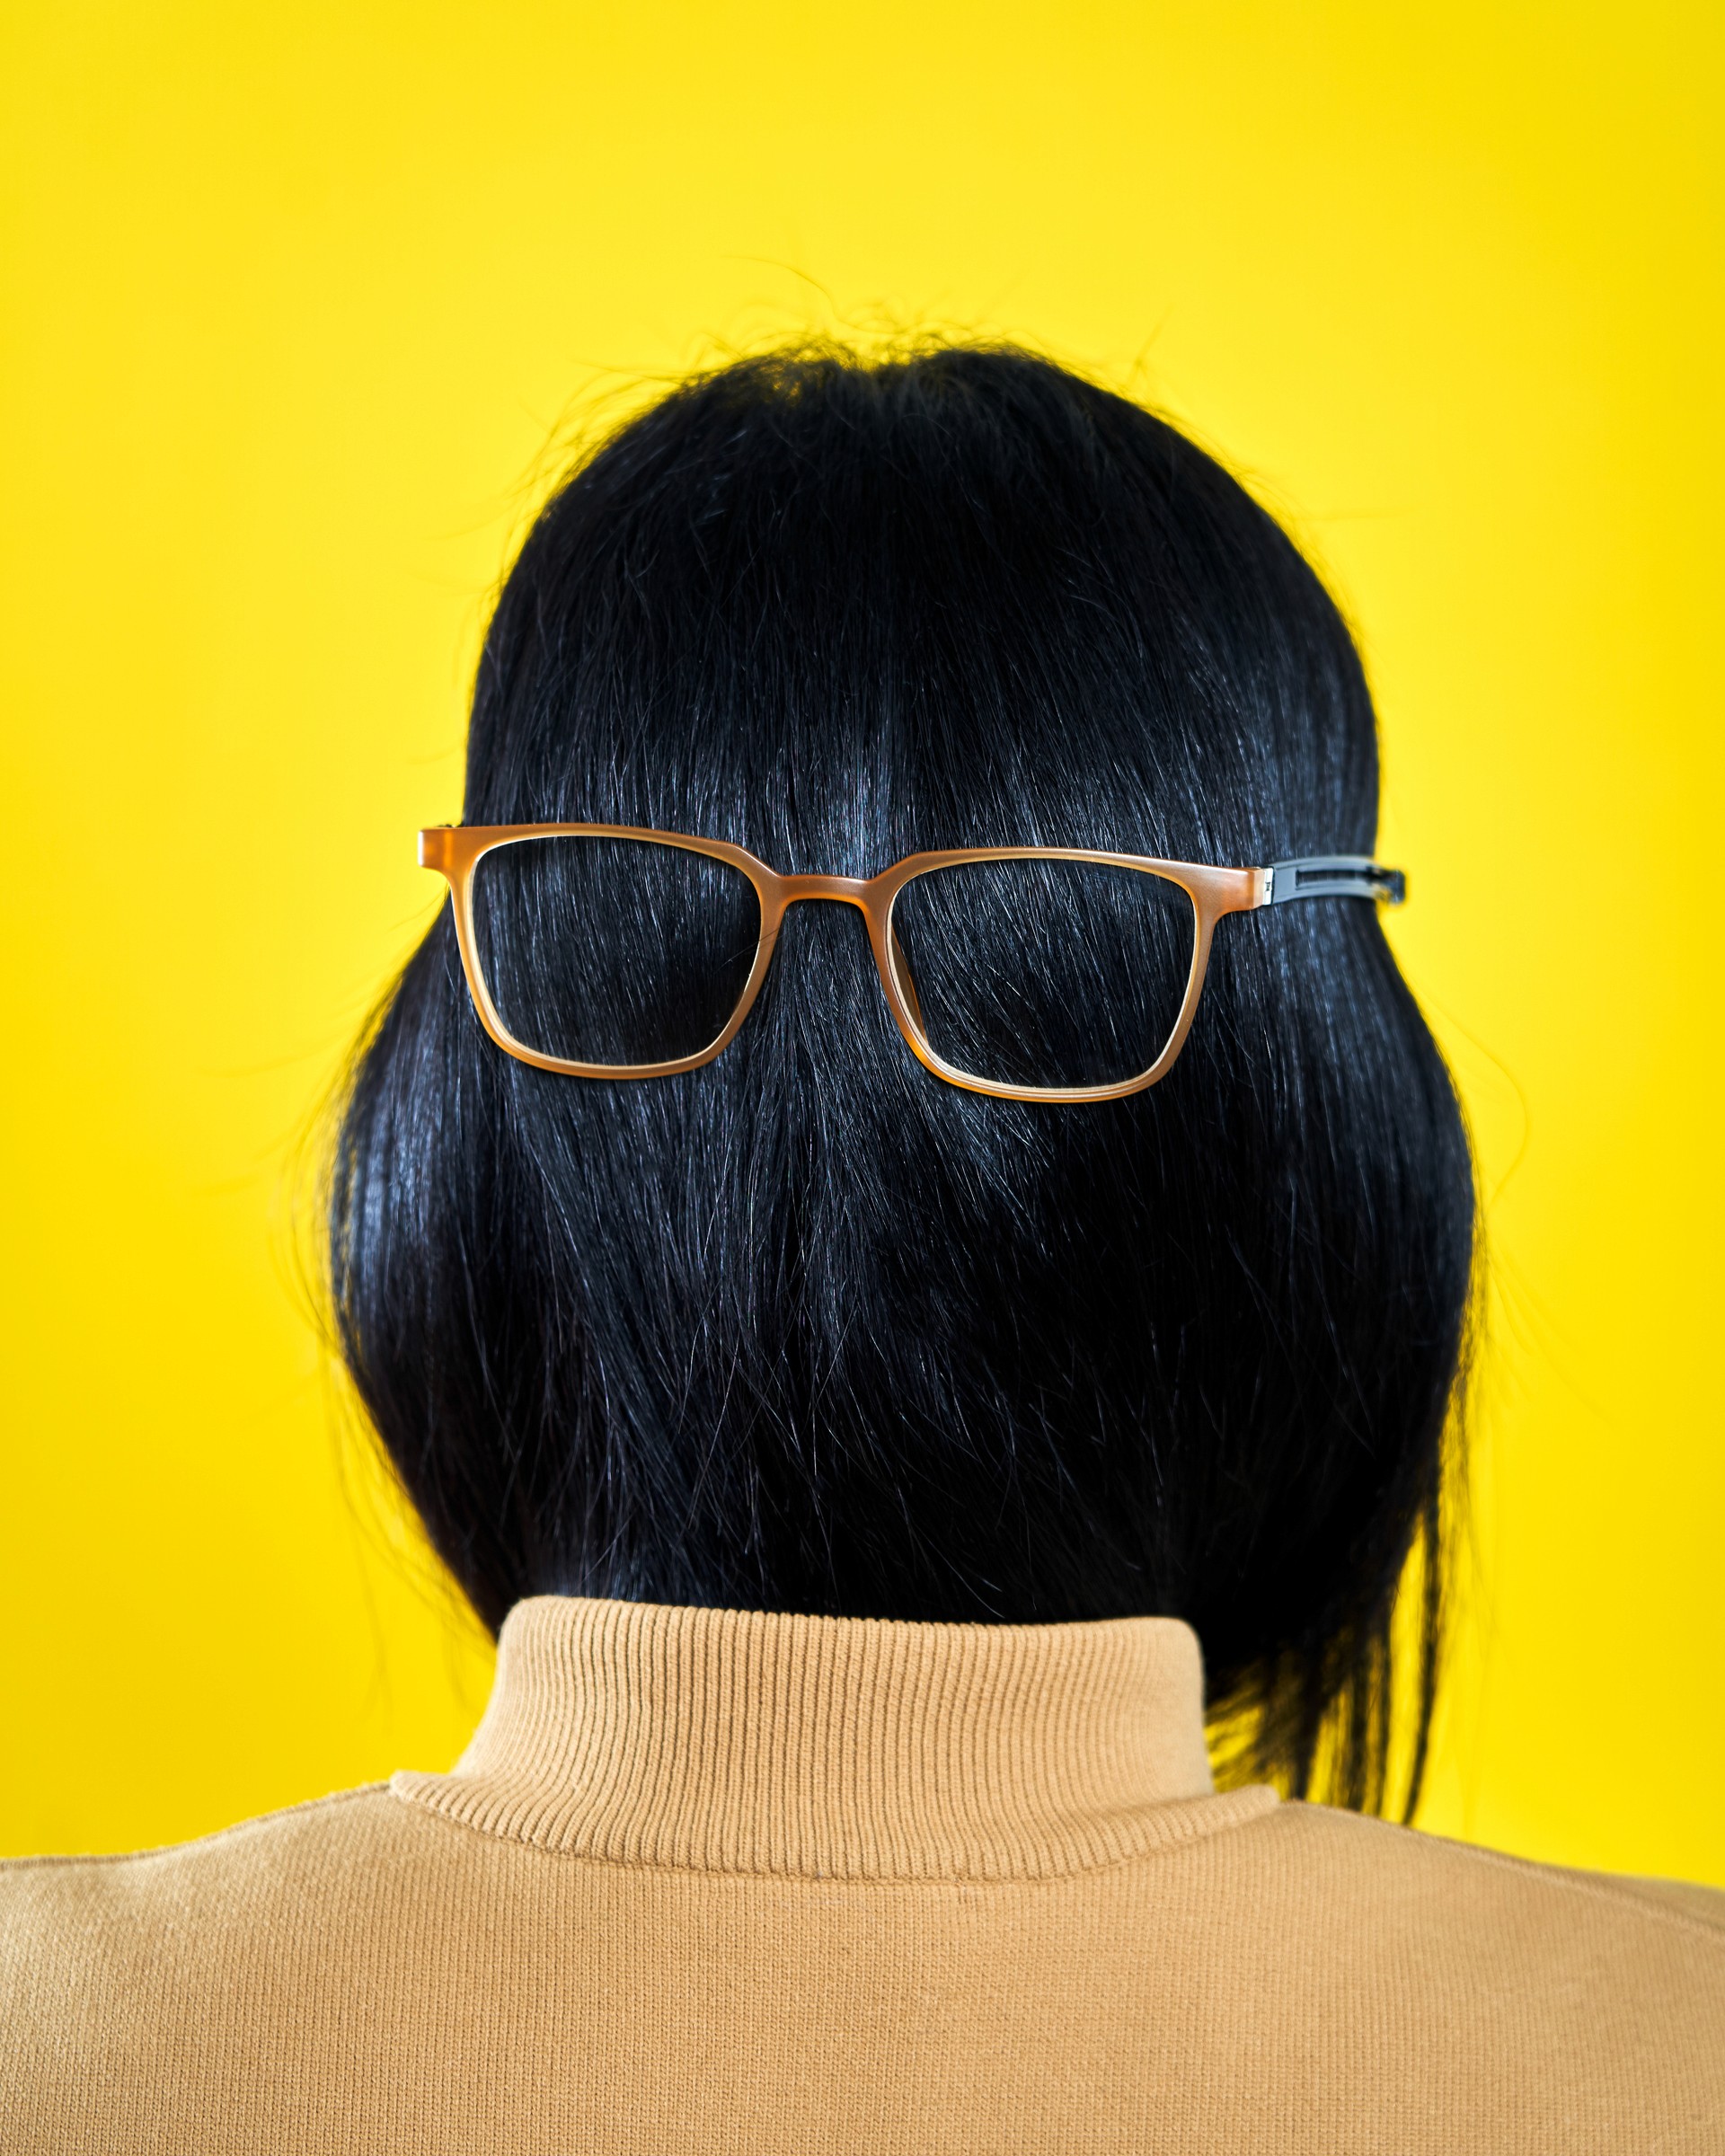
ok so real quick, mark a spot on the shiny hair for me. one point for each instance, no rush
(809, 1329)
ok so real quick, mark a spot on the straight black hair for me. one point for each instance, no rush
(809, 1329)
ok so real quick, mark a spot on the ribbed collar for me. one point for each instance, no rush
(722, 1740)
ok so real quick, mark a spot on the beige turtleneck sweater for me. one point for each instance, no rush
(711, 1882)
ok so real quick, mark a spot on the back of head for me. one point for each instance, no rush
(806, 1329)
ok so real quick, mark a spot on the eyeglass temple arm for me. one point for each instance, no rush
(1333, 876)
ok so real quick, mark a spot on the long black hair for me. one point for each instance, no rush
(807, 1329)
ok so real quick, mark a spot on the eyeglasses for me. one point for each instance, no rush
(1031, 973)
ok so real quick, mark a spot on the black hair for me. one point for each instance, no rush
(807, 1329)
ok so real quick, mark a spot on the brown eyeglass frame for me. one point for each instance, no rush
(455, 850)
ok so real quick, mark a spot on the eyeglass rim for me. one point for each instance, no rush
(455, 851)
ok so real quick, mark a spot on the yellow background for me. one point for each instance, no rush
(294, 301)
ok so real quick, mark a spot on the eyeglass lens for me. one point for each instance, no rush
(614, 950)
(1045, 973)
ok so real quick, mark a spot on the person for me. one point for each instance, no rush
(869, 1228)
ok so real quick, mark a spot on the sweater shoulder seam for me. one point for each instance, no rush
(196, 1841)
(1592, 1887)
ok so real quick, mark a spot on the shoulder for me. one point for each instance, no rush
(1391, 1865)
(182, 1997)
(1464, 1986)
(77, 1926)
(1493, 1945)
(324, 1824)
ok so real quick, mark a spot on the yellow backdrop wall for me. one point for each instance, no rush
(294, 300)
